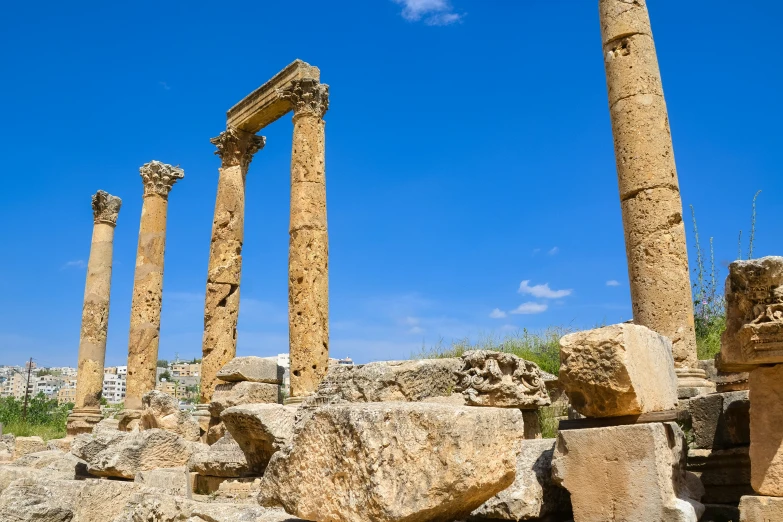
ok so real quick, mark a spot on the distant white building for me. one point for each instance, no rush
(114, 386)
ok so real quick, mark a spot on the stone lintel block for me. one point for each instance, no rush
(766, 435)
(754, 314)
(720, 420)
(253, 369)
(760, 509)
(263, 106)
(624, 369)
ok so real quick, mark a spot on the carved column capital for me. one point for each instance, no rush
(307, 97)
(159, 177)
(105, 208)
(236, 147)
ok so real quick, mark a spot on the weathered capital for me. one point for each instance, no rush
(236, 147)
(307, 96)
(105, 208)
(159, 177)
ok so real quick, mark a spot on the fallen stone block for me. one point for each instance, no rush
(394, 461)
(65, 464)
(725, 474)
(174, 481)
(252, 369)
(25, 445)
(87, 446)
(222, 459)
(533, 495)
(162, 411)
(631, 473)
(503, 380)
(624, 369)
(761, 509)
(63, 444)
(720, 420)
(231, 394)
(260, 430)
(9, 474)
(766, 435)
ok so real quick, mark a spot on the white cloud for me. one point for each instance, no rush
(542, 291)
(432, 12)
(497, 313)
(612, 282)
(79, 263)
(529, 308)
(552, 251)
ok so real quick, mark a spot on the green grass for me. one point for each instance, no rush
(708, 332)
(44, 417)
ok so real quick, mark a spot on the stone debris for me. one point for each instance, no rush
(252, 369)
(222, 459)
(162, 411)
(54, 460)
(174, 481)
(231, 394)
(503, 380)
(7, 448)
(533, 495)
(394, 461)
(624, 369)
(25, 445)
(260, 430)
(63, 445)
(761, 509)
(627, 473)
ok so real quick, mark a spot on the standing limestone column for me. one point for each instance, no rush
(221, 307)
(308, 251)
(144, 336)
(95, 316)
(649, 189)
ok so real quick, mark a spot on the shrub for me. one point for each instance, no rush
(45, 417)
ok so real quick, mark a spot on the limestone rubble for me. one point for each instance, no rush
(260, 430)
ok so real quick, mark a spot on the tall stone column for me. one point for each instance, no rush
(649, 189)
(308, 251)
(221, 307)
(95, 316)
(144, 336)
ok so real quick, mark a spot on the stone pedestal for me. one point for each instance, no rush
(221, 307)
(692, 382)
(647, 175)
(158, 180)
(95, 316)
(308, 255)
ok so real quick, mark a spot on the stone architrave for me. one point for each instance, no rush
(95, 316)
(158, 179)
(649, 189)
(754, 314)
(308, 253)
(221, 308)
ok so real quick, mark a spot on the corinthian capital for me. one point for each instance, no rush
(236, 147)
(105, 208)
(159, 177)
(307, 97)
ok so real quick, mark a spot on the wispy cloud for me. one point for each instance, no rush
(78, 263)
(552, 251)
(542, 291)
(497, 313)
(431, 12)
(165, 86)
(529, 308)
(612, 282)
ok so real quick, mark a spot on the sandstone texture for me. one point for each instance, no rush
(162, 411)
(25, 445)
(252, 369)
(754, 314)
(624, 369)
(761, 509)
(174, 481)
(766, 435)
(394, 461)
(222, 459)
(63, 464)
(503, 380)
(720, 420)
(260, 430)
(231, 394)
(627, 473)
(533, 495)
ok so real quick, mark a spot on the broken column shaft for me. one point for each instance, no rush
(95, 316)
(144, 336)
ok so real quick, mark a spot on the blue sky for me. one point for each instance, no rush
(470, 164)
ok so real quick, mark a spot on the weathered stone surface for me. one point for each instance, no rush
(239, 489)
(222, 459)
(63, 463)
(501, 380)
(63, 444)
(754, 314)
(25, 445)
(533, 494)
(39, 499)
(720, 420)
(87, 447)
(766, 435)
(174, 481)
(253, 369)
(761, 509)
(162, 411)
(624, 369)
(260, 430)
(231, 394)
(407, 462)
(9, 474)
(725, 474)
(630, 473)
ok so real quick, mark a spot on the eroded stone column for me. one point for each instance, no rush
(647, 175)
(144, 336)
(95, 316)
(308, 253)
(221, 308)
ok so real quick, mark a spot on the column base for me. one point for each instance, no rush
(82, 420)
(294, 401)
(692, 382)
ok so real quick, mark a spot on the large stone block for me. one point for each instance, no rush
(65, 465)
(162, 411)
(174, 481)
(624, 369)
(231, 394)
(754, 314)
(720, 420)
(253, 369)
(725, 474)
(626, 473)
(766, 430)
(761, 509)
(25, 445)
(533, 495)
(223, 459)
(260, 430)
(394, 461)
